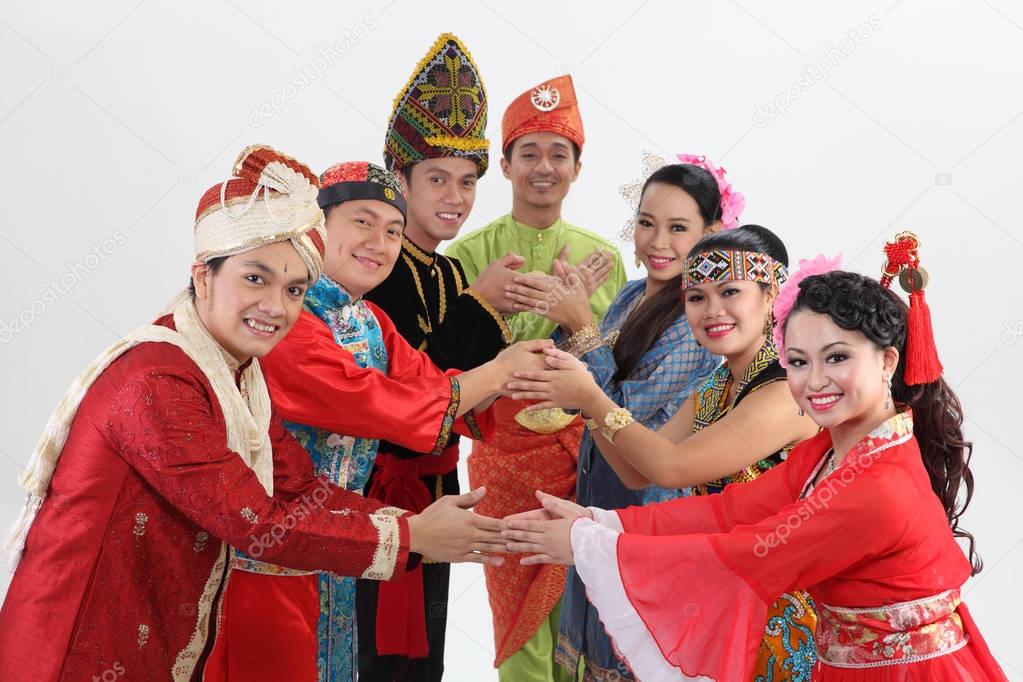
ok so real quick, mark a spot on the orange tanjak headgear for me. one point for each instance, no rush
(550, 107)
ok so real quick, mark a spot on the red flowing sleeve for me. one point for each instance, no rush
(696, 603)
(164, 425)
(739, 503)
(314, 381)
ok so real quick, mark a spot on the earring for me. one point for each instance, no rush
(888, 399)
(801, 413)
(769, 323)
(638, 262)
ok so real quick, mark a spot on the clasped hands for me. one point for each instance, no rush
(449, 531)
(562, 297)
(544, 534)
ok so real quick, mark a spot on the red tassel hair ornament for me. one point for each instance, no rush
(903, 261)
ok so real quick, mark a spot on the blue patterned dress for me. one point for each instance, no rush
(666, 374)
(347, 462)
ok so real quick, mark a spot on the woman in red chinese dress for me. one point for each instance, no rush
(863, 516)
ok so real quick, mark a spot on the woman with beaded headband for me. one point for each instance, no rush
(864, 514)
(643, 356)
(738, 424)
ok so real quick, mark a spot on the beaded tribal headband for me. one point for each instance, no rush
(723, 266)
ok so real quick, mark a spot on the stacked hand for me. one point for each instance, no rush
(564, 296)
(563, 382)
(544, 534)
(449, 531)
(492, 281)
(524, 356)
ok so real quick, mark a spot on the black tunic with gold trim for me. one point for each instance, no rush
(433, 308)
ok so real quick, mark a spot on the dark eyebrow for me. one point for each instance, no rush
(259, 265)
(366, 209)
(267, 270)
(833, 343)
(436, 169)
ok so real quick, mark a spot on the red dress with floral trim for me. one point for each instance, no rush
(683, 591)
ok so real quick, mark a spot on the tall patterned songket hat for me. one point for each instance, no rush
(441, 111)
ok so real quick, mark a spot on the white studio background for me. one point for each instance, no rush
(841, 122)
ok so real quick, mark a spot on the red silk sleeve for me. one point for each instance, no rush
(164, 424)
(314, 381)
(406, 363)
(739, 503)
(703, 597)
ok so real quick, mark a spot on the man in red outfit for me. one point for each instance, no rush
(165, 455)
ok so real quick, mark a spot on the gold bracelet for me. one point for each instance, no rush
(591, 424)
(614, 421)
(583, 340)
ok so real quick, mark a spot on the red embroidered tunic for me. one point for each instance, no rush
(124, 565)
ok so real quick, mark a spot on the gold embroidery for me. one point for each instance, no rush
(459, 284)
(388, 543)
(140, 525)
(462, 144)
(582, 341)
(143, 634)
(474, 427)
(426, 327)
(449, 417)
(546, 421)
(506, 333)
(249, 515)
(200, 541)
(417, 252)
(187, 658)
(441, 296)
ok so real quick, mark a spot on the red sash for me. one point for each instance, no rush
(401, 616)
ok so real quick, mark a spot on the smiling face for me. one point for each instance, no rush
(440, 195)
(728, 317)
(251, 302)
(363, 243)
(837, 376)
(542, 169)
(668, 225)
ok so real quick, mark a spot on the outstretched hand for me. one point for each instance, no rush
(544, 534)
(448, 531)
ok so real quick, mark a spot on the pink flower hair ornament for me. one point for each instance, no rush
(788, 293)
(732, 203)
